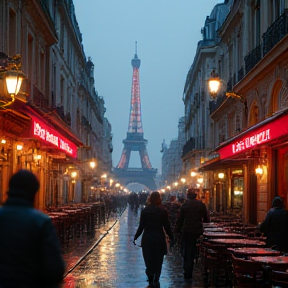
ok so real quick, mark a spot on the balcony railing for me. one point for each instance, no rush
(240, 74)
(275, 32)
(38, 99)
(252, 58)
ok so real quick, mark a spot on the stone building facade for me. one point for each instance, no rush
(58, 116)
(247, 144)
(171, 157)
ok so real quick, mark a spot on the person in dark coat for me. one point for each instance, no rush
(153, 221)
(30, 253)
(193, 213)
(275, 226)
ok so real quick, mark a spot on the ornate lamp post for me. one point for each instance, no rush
(12, 76)
(215, 85)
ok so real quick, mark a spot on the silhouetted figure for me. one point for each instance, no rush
(153, 221)
(143, 198)
(133, 200)
(275, 226)
(193, 213)
(173, 207)
(30, 253)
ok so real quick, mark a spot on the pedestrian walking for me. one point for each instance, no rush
(154, 223)
(193, 213)
(275, 226)
(173, 208)
(30, 254)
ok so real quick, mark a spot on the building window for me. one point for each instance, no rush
(12, 32)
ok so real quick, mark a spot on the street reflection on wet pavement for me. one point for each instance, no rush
(116, 262)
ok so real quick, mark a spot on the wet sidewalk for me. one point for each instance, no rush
(79, 248)
(116, 262)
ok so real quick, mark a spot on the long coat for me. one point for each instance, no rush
(193, 213)
(152, 221)
(30, 253)
(275, 228)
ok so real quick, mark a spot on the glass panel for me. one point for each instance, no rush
(237, 191)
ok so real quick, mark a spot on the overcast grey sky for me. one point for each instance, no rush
(167, 33)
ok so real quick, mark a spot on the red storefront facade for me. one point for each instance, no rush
(47, 148)
(263, 146)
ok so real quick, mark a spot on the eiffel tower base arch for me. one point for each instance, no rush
(145, 177)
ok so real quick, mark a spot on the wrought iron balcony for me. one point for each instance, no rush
(275, 32)
(252, 58)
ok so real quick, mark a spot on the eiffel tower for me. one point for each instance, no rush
(135, 140)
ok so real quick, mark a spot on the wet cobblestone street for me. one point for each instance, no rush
(116, 262)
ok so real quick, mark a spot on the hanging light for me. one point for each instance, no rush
(259, 170)
(215, 84)
(13, 82)
(92, 164)
(12, 78)
(221, 175)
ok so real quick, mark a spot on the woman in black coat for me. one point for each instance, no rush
(153, 221)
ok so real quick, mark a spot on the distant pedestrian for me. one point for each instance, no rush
(30, 254)
(153, 221)
(275, 226)
(193, 213)
(173, 207)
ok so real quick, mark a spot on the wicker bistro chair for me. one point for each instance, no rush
(246, 273)
(215, 265)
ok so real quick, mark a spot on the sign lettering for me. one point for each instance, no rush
(48, 134)
(271, 130)
(251, 141)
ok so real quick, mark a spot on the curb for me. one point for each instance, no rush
(93, 246)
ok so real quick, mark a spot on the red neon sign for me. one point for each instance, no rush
(261, 135)
(51, 136)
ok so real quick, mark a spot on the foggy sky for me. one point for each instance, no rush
(167, 33)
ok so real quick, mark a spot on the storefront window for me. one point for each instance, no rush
(237, 191)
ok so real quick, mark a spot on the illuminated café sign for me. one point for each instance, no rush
(251, 141)
(51, 136)
(256, 137)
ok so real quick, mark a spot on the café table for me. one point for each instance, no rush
(210, 225)
(222, 235)
(252, 251)
(214, 229)
(230, 242)
(278, 263)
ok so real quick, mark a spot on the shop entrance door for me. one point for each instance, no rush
(237, 187)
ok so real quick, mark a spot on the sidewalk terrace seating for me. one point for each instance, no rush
(76, 220)
(226, 232)
(246, 273)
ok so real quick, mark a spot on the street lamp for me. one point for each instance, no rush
(259, 171)
(193, 174)
(215, 84)
(12, 76)
(92, 164)
(221, 175)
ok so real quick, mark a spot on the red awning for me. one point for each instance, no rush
(55, 135)
(264, 132)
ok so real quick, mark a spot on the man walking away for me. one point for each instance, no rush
(193, 213)
(30, 254)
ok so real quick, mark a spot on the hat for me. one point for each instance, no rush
(191, 193)
(278, 202)
(23, 184)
